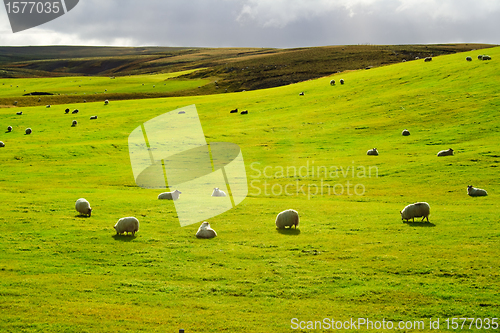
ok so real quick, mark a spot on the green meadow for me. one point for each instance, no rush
(351, 256)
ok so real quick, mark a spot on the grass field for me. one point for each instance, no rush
(351, 257)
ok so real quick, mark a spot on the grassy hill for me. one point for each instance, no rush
(351, 257)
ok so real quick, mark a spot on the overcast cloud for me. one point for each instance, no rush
(264, 23)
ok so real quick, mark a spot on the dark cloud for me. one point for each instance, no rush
(264, 23)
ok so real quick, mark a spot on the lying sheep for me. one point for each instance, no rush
(468, 58)
(234, 111)
(332, 82)
(66, 111)
(244, 112)
(82, 206)
(127, 224)
(448, 152)
(47, 106)
(93, 117)
(204, 231)
(405, 132)
(75, 111)
(28, 131)
(9, 129)
(2, 144)
(74, 123)
(427, 59)
(372, 152)
(301, 93)
(418, 209)
(476, 192)
(19, 113)
(218, 193)
(287, 218)
(170, 195)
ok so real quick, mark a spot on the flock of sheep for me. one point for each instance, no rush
(422, 209)
(28, 130)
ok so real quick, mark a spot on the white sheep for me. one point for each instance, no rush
(28, 131)
(93, 117)
(9, 129)
(47, 106)
(218, 193)
(204, 231)
(106, 102)
(372, 152)
(74, 123)
(427, 59)
(476, 192)
(287, 218)
(301, 93)
(19, 113)
(418, 209)
(2, 144)
(468, 58)
(405, 133)
(341, 81)
(448, 152)
(332, 82)
(127, 224)
(170, 195)
(82, 206)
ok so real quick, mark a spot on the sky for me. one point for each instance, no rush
(264, 23)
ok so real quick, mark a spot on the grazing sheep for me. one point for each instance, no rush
(287, 218)
(93, 117)
(234, 111)
(127, 224)
(486, 57)
(170, 195)
(82, 206)
(476, 192)
(28, 131)
(372, 152)
(427, 59)
(15, 102)
(182, 112)
(106, 102)
(301, 93)
(480, 57)
(218, 193)
(66, 111)
(204, 231)
(341, 81)
(448, 152)
(74, 123)
(244, 112)
(9, 129)
(2, 144)
(468, 58)
(19, 113)
(75, 111)
(332, 82)
(405, 133)
(418, 209)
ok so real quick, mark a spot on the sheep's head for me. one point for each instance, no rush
(177, 191)
(205, 225)
(90, 211)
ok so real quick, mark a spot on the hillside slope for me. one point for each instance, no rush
(351, 257)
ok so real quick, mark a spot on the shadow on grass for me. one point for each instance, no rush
(124, 238)
(82, 216)
(420, 224)
(289, 231)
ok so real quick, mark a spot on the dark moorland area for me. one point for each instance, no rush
(230, 69)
